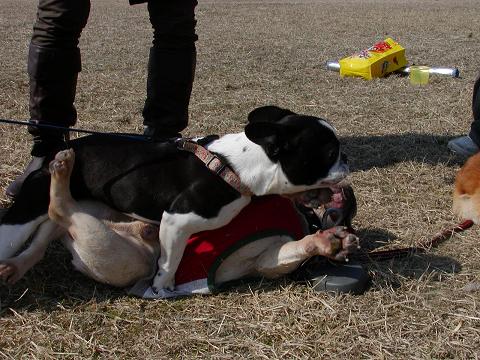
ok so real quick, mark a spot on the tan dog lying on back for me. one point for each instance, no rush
(111, 248)
(466, 197)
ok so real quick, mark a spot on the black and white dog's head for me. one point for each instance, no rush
(305, 147)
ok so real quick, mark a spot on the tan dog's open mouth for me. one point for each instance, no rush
(334, 205)
(322, 196)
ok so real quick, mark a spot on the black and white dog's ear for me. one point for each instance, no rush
(268, 135)
(268, 114)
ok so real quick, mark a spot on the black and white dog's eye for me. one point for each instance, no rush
(332, 155)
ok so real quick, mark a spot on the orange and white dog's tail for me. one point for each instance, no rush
(466, 196)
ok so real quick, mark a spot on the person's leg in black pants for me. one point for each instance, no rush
(475, 127)
(470, 144)
(53, 66)
(171, 67)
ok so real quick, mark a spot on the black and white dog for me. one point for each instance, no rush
(279, 152)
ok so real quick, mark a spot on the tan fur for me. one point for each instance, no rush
(466, 196)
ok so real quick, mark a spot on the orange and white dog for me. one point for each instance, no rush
(466, 196)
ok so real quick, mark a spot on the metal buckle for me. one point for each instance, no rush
(180, 143)
(220, 169)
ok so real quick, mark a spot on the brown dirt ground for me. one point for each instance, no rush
(252, 53)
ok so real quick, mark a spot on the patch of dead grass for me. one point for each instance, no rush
(253, 53)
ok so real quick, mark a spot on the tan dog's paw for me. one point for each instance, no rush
(10, 272)
(335, 243)
(62, 165)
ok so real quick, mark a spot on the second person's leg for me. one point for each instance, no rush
(475, 127)
(171, 67)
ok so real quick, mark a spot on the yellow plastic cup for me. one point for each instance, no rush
(419, 75)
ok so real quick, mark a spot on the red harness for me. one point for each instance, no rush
(264, 216)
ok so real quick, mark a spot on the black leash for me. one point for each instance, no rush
(136, 137)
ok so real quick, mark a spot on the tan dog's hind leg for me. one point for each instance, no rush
(62, 205)
(116, 254)
(335, 243)
(13, 269)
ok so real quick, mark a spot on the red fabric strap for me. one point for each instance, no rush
(266, 215)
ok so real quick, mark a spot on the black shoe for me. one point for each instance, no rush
(14, 188)
(463, 145)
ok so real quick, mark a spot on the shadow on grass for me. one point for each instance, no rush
(55, 285)
(422, 266)
(366, 152)
(390, 272)
(52, 285)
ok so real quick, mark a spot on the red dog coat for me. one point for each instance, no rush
(265, 216)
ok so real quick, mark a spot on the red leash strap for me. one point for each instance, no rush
(421, 247)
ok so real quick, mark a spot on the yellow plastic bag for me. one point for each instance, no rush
(381, 59)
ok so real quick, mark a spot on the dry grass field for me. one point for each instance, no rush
(253, 53)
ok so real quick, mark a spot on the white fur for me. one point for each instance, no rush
(464, 206)
(13, 237)
(256, 171)
(253, 166)
(261, 175)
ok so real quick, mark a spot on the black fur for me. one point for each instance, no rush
(132, 178)
(148, 178)
(305, 148)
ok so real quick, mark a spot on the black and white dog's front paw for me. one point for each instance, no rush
(163, 280)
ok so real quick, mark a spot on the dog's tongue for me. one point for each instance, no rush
(337, 199)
